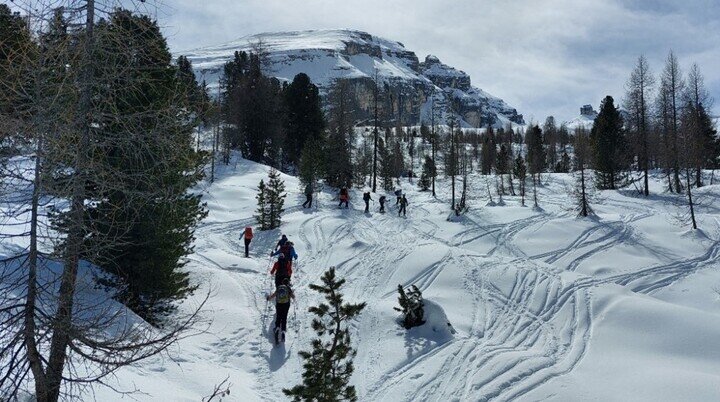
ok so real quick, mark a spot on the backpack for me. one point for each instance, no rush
(382, 199)
(308, 190)
(282, 295)
(285, 250)
(398, 192)
(282, 271)
(366, 196)
(248, 233)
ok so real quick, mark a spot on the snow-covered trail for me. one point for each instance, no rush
(542, 305)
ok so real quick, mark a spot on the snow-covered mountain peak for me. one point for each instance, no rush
(333, 54)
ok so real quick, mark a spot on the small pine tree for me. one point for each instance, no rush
(411, 306)
(328, 366)
(261, 216)
(428, 172)
(520, 171)
(275, 198)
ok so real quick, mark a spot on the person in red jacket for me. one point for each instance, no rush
(247, 236)
(281, 269)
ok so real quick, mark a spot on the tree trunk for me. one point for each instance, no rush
(690, 200)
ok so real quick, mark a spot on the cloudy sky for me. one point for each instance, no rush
(544, 57)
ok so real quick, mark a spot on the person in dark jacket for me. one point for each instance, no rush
(398, 194)
(367, 199)
(281, 242)
(282, 295)
(308, 196)
(344, 197)
(403, 205)
(382, 204)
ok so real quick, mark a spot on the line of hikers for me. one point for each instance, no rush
(283, 294)
(344, 197)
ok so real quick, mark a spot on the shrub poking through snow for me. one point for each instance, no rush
(329, 365)
(411, 306)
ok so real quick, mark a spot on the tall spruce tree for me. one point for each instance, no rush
(261, 213)
(305, 121)
(329, 365)
(144, 144)
(582, 157)
(428, 172)
(608, 146)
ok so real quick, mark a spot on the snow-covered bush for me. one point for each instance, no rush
(411, 307)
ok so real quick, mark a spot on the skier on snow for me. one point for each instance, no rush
(403, 205)
(247, 236)
(382, 204)
(308, 196)
(282, 295)
(367, 199)
(344, 197)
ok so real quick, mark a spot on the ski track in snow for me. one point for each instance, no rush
(519, 338)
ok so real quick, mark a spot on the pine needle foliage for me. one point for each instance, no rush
(329, 365)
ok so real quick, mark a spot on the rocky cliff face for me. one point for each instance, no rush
(415, 87)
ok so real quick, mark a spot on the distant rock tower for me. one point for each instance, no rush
(588, 111)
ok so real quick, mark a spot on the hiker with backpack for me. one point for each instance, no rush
(403, 205)
(281, 242)
(287, 250)
(282, 269)
(308, 196)
(344, 197)
(398, 194)
(382, 204)
(247, 236)
(367, 199)
(282, 295)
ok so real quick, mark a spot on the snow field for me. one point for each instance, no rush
(543, 305)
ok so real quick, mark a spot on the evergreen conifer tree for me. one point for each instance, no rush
(608, 144)
(305, 121)
(428, 172)
(275, 198)
(411, 306)
(261, 215)
(520, 171)
(328, 366)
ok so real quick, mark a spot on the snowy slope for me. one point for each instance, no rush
(328, 55)
(544, 306)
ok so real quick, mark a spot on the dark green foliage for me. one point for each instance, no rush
(387, 165)
(609, 146)
(338, 165)
(563, 165)
(304, 121)
(261, 211)
(363, 164)
(142, 225)
(535, 150)
(489, 151)
(411, 306)
(428, 172)
(194, 95)
(520, 172)
(18, 55)
(398, 159)
(310, 167)
(328, 366)
(271, 199)
(253, 107)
